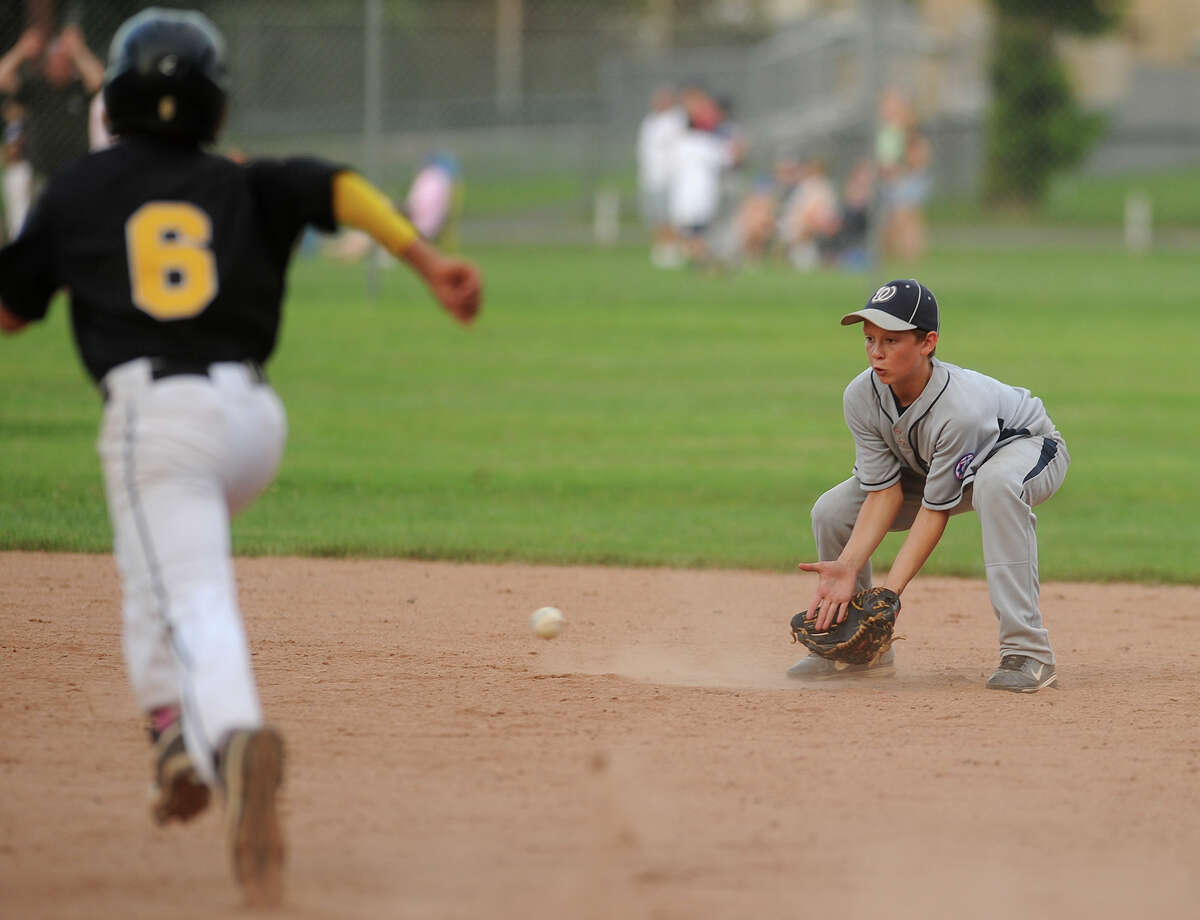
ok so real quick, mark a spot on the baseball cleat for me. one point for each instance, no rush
(251, 769)
(814, 667)
(1022, 674)
(177, 793)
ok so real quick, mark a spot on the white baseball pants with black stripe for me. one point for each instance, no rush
(1021, 475)
(181, 455)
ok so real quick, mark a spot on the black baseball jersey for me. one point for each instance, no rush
(167, 251)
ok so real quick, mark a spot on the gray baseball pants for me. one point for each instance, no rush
(1022, 474)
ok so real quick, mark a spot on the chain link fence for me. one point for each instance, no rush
(540, 99)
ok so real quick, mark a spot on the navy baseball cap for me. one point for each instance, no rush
(900, 305)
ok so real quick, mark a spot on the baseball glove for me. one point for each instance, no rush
(863, 636)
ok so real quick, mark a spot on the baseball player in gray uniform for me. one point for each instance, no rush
(932, 440)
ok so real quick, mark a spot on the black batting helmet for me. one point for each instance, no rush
(166, 76)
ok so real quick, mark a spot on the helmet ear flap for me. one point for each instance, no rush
(166, 76)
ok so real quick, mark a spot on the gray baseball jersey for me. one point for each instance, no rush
(958, 422)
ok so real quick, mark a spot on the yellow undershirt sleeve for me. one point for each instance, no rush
(357, 203)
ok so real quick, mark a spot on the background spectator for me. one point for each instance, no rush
(701, 154)
(660, 128)
(904, 155)
(848, 246)
(434, 199)
(745, 239)
(54, 82)
(810, 216)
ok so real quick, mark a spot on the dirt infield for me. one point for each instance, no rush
(651, 762)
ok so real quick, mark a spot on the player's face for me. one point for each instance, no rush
(899, 359)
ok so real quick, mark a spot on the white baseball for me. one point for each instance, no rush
(547, 622)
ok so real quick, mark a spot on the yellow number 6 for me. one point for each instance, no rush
(172, 270)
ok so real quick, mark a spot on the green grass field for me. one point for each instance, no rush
(603, 411)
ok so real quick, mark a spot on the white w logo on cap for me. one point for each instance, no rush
(884, 294)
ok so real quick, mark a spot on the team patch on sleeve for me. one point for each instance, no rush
(964, 464)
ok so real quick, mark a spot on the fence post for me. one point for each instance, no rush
(606, 220)
(510, 15)
(372, 114)
(1139, 221)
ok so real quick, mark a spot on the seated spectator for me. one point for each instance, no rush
(810, 216)
(757, 218)
(744, 237)
(847, 245)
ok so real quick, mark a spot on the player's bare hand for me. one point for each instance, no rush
(454, 282)
(457, 285)
(834, 590)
